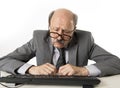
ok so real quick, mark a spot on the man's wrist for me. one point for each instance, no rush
(29, 69)
(24, 68)
(93, 70)
(84, 71)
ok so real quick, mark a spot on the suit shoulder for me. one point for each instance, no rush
(40, 32)
(84, 36)
(83, 33)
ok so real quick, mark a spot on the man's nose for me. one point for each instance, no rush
(59, 37)
(60, 31)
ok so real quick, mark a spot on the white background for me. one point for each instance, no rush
(18, 19)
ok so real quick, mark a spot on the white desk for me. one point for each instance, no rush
(106, 82)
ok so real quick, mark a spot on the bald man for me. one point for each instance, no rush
(76, 46)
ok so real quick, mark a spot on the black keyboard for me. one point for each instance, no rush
(51, 80)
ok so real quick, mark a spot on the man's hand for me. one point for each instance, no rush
(73, 70)
(49, 69)
(45, 69)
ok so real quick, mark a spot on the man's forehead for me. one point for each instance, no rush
(62, 24)
(62, 19)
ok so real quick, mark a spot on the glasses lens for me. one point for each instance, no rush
(64, 37)
(53, 35)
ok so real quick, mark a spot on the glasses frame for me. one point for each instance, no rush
(61, 35)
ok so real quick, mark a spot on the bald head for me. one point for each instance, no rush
(62, 24)
(63, 14)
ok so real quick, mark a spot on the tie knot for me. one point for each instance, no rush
(61, 50)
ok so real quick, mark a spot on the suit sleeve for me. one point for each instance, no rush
(17, 58)
(106, 62)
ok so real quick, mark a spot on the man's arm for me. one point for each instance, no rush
(108, 64)
(17, 58)
(93, 70)
(24, 68)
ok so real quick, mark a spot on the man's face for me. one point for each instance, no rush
(61, 30)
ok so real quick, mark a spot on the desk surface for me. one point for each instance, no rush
(106, 82)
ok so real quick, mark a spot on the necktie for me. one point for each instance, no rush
(61, 60)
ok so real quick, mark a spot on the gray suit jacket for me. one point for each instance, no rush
(80, 49)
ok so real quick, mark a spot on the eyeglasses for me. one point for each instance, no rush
(63, 30)
(63, 36)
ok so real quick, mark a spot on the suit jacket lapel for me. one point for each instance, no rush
(48, 51)
(72, 55)
(72, 51)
